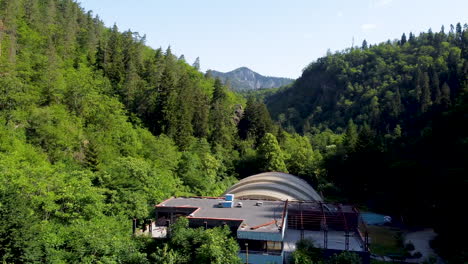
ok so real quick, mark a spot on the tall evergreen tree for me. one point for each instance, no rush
(256, 121)
(403, 39)
(271, 155)
(115, 67)
(200, 114)
(166, 99)
(351, 136)
(196, 64)
(445, 99)
(364, 45)
(221, 123)
(426, 100)
(411, 38)
(396, 104)
(418, 85)
(435, 88)
(184, 114)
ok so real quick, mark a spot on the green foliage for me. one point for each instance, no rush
(220, 119)
(351, 136)
(166, 255)
(256, 121)
(306, 253)
(104, 239)
(203, 246)
(378, 85)
(134, 185)
(17, 234)
(271, 155)
(300, 158)
(384, 119)
(96, 128)
(345, 257)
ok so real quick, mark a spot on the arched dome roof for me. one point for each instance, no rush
(274, 186)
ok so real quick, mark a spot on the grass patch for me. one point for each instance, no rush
(386, 241)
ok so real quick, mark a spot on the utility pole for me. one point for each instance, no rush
(134, 227)
(247, 253)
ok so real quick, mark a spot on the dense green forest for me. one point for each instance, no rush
(96, 128)
(393, 119)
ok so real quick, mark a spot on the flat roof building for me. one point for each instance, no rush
(267, 229)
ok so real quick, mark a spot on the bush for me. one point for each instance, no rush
(409, 246)
(306, 253)
(345, 258)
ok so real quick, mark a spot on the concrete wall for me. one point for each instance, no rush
(262, 259)
(266, 236)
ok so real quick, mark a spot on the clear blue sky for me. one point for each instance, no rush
(272, 37)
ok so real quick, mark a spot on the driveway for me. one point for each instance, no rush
(421, 240)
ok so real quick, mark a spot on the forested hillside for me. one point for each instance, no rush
(96, 128)
(391, 120)
(380, 85)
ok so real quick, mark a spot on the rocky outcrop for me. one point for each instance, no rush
(244, 79)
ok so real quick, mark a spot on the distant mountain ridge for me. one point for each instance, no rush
(244, 79)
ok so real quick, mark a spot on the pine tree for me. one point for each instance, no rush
(87, 38)
(396, 104)
(11, 11)
(445, 99)
(32, 13)
(397, 131)
(114, 67)
(403, 39)
(411, 38)
(435, 87)
(184, 114)
(425, 100)
(256, 121)
(196, 64)
(418, 85)
(271, 154)
(459, 33)
(200, 114)
(219, 93)
(69, 20)
(365, 141)
(221, 123)
(364, 45)
(351, 136)
(166, 100)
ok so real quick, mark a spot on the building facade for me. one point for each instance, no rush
(267, 214)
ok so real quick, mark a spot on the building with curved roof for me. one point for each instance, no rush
(274, 186)
(269, 213)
